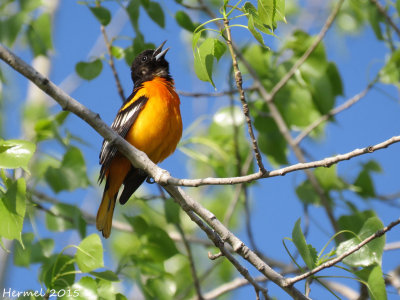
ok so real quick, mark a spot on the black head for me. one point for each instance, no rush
(150, 64)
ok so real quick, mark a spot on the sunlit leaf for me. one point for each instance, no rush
(307, 252)
(102, 14)
(89, 70)
(16, 153)
(89, 255)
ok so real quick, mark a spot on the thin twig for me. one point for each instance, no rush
(326, 162)
(383, 12)
(111, 63)
(246, 112)
(215, 94)
(333, 112)
(338, 259)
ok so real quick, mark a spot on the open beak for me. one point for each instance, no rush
(158, 54)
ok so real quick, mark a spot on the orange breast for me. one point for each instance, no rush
(158, 128)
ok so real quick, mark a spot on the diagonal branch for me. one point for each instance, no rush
(338, 259)
(217, 232)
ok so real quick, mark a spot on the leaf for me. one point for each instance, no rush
(42, 250)
(204, 58)
(106, 275)
(369, 254)
(156, 13)
(133, 12)
(12, 210)
(172, 211)
(70, 175)
(375, 18)
(39, 35)
(117, 52)
(254, 32)
(329, 179)
(85, 288)
(16, 153)
(58, 272)
(354, 222)
(89, 70)
(65, 217)
(22, 255)
(390, 73)
(364, 182)
(139, 225)
(183, 20)
(271, 141)
(89, 255)
(374, 279)
(307, 194)
(271, 11)
(102, 14)
(157, 244)
(161, 288)
(307, 252)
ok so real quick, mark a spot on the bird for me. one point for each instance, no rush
(150, 120)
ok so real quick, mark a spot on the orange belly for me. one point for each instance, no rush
(158, 128)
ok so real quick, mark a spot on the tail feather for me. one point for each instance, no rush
(105, 213)
(132, 182)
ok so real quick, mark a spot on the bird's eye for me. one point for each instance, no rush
(144, 58)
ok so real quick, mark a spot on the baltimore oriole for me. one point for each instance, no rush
(150, 120)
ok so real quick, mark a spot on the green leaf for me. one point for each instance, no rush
(390, 73)
(307, 193)
(12, 209)
(89, 70)
(172, 211)
(253, 31)
(139, 225)
(16, 153)
(307, 252)
(10, 27)
(58, 272)
(85, 288)
(117, 52)
(156, 13)
(374, 279)
(22, 256)
(183, 20)
(42, 250)
(157, 244)
(364, 182)
(106, 275)
(271, 141)
(39, 35)
(271, 11)
(329, 179)
(89, 255)
(369, 254)
(204, 58)
(102, 14)
(161, 288)
(375, 18)
(70, 175)
(133, 12)
(354, 222)
(65, 217)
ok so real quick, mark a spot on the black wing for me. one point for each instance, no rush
(121, 125)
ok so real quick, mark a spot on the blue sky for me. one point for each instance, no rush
(275, 206)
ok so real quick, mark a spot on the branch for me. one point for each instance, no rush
(216, 94)
(111, 63)
(246, 112)
(338, 259)
(193, 209)
(326, 162)
(383, 12)
(333, 112)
